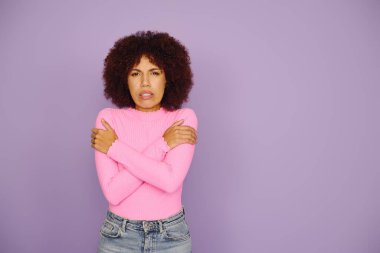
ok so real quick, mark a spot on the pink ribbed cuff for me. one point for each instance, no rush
(113, 149)
(163, 144)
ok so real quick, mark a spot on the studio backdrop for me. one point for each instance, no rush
(287, 99)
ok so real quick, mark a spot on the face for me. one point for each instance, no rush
(146, 83)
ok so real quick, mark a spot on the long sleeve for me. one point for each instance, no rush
(119, 184)
(166, 175)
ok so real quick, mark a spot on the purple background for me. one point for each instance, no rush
(287, 98)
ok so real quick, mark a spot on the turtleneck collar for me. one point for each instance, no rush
(147, 116)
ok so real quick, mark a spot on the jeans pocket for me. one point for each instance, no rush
(110, 229)
(178, 231)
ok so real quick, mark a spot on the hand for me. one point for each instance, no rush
(177, 134)
(103, 139)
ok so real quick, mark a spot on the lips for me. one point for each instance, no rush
(145, 92)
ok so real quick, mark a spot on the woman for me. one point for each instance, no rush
(144, 148)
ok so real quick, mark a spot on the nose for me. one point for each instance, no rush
(145, 81)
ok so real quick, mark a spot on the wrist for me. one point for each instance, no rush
(164, 144)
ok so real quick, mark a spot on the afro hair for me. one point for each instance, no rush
(162, 50)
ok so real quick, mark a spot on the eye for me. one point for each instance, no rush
(156, 73)
(134, 74)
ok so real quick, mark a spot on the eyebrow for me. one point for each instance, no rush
(149, 69)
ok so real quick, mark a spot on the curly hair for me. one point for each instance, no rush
(162, 50)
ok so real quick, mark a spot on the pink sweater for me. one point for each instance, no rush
(140, 176)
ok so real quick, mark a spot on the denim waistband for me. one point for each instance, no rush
(147, 225)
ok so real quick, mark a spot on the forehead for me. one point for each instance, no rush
(145, 61)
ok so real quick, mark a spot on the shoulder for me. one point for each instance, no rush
(186, 111)
(189, 115)
(107, 114)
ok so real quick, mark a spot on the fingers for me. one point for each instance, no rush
(106, 125)
(93, 136)
(178, 122)
(93, 140)
(101, 138)
(188, 133)
(186, 129)
(191, 139)
(184, 136)
(95, 132)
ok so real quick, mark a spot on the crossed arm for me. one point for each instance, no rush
(166, 174)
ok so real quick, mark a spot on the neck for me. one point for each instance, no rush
(147, 115)
(154, 108)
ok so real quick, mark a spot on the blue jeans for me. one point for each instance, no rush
(170, 235)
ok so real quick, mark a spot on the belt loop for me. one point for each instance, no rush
(160, 223)
(123, 226)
